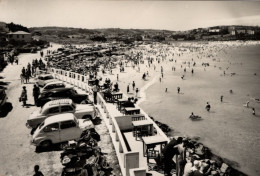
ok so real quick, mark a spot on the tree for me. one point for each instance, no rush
(17, 27)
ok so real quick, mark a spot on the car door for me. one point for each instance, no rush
(49, 87)
(69, 130)
(52, 132)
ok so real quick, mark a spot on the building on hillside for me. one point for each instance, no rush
(20, 36)
(214, 30)
(250, 32)
(240, 31)
(233, 32)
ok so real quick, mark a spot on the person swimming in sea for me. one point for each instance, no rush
(208, 107)
(253, 111)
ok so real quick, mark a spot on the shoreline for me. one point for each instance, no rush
(144, 88)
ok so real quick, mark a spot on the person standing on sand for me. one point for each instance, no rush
(137, 90)
(117, 77)
(178, 89)
(247, 104)
(133, 84)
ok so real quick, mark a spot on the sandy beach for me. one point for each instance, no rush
(229, 129)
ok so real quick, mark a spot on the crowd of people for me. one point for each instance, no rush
(192, 159)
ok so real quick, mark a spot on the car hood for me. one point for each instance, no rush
(34, 115)
(85, 124)
(84, 107)
(50, 80)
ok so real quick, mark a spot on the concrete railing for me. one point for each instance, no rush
(128, 160)
(75, 79)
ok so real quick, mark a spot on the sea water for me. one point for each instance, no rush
(229, 129)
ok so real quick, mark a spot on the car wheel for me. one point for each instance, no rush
(46, 144)
(87, 117)
(83, 102)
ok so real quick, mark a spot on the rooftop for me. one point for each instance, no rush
(59, 118)
(19, 32)
(59, 102)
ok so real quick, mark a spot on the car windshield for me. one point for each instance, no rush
(48, 77)
(41, 125)
(76, 120)
(73, 105)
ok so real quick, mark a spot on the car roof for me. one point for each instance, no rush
(54, 82)
(43, 75)
(58, 102)
(59, 118)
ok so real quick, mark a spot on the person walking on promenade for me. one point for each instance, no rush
(22, 78)
(95, 90)
(27, 76)
(36, 93)
(178, 89)
(133, 84)
(23, 71)
(23, 96)
(37, 171)
(127, 89)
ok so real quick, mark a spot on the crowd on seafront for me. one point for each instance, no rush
(192, 159)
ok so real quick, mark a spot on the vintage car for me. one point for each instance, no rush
(60, 128)
(61, 106)
(53, 85)
(61, 93)
(44, 79)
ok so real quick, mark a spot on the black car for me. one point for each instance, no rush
(3, 98)
(60, 93)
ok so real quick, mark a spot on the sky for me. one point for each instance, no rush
(168, 15)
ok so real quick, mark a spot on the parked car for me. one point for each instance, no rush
(60, 128)
(61, 106)
(61, 93)
(3, 98)
(44, 79)
(53, 85)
